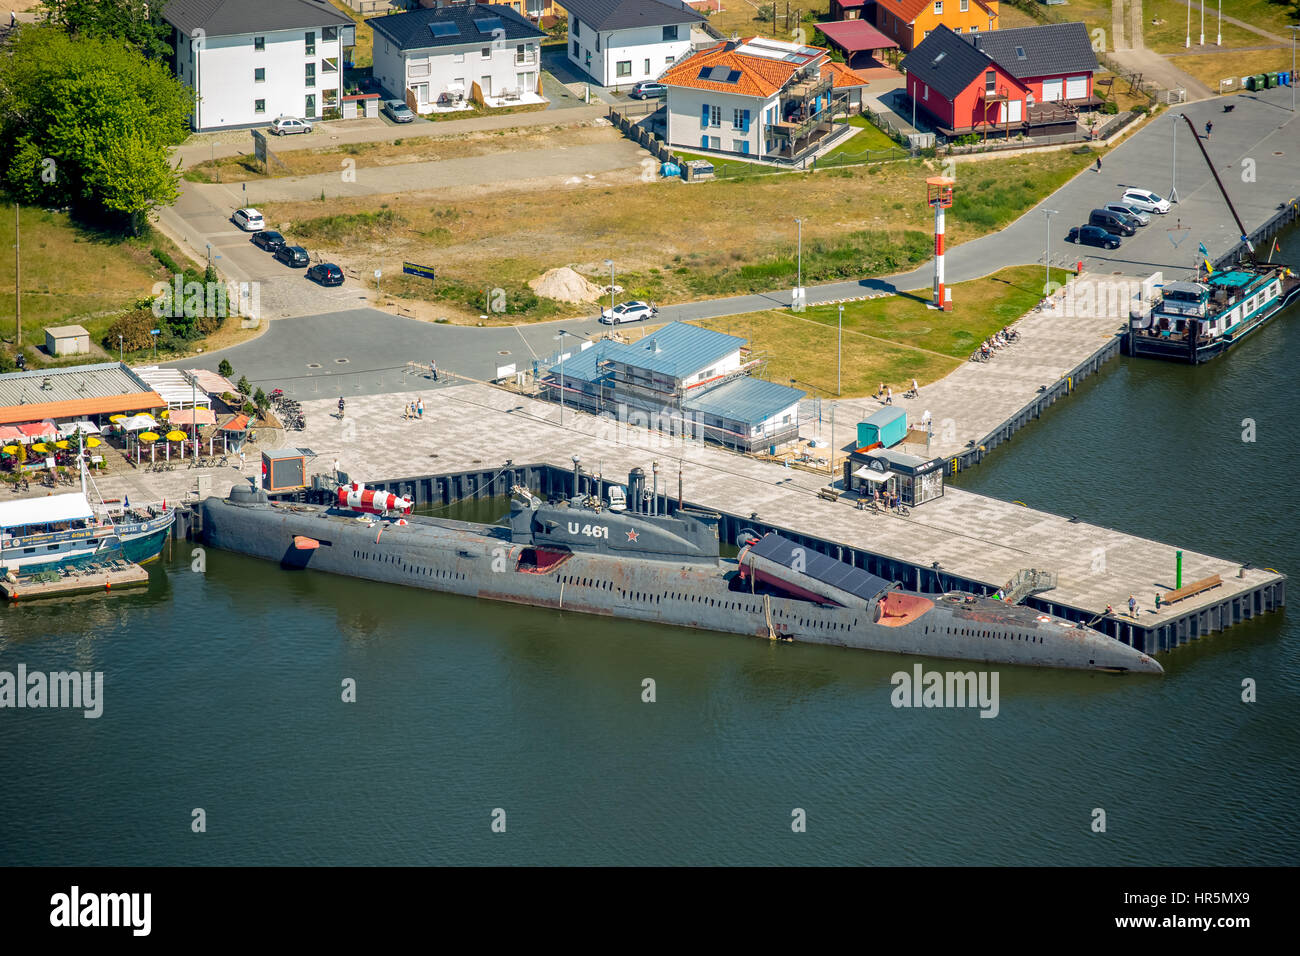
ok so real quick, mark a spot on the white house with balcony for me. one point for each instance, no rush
(249, 61)
(439, 58)
(621, 42)
(763, 98)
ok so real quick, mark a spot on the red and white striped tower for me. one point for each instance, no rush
(938, 193)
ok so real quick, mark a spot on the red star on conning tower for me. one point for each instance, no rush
(631, 536)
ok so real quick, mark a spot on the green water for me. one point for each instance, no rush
(223, 692)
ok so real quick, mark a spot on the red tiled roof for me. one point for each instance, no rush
(82, 407)
(844, 77)
(759, 76)
(856, 35)
(907, 10)
(237, 424)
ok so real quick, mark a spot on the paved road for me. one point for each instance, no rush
(1261, 129)
(206, 146)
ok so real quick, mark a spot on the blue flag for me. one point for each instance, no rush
(1204, 251)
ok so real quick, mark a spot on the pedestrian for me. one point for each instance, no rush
(1098, 164)
(880, 392)
(433, 367)
(241, 461)
(1110, 611)
(889, 395)
(419, 407)
(1132, 607)
(336, 469)
(916, 389)
(340, 408)
(13, 20)
(1209, 128)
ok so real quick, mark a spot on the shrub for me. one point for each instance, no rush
(1110, 109)
(165, 260)
(134, 328)
(225, 369)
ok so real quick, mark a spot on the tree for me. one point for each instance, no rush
(138, 22)
(261, 401)
(244, 387)
(88, 123)
(225, 369)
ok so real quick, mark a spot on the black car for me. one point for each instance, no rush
(326, 273)
(268, 239)
(1115, 222)
(295, 256)
(1093, 236)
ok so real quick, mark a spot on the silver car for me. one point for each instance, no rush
(398, 111)
(285, 125)
(1126, 210)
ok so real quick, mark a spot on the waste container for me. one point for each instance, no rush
(1284, 78)
(1261, 81)
(1272, 80)
(1248, 82)
(670, 169)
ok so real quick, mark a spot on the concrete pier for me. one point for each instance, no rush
(476, 441)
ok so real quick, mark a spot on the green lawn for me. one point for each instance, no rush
(890, 340)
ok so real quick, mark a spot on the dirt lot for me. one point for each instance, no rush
(670, 241)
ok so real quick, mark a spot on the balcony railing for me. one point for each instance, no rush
(525, 60)
(799, 130)
(808, 88)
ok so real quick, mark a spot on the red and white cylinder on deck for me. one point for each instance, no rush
(372, 501)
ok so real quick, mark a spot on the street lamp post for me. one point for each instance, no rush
(1188, 42)
(831, 469)
(119, 349)
(1173, 163)
(1047, 250)
(610, 263)
(1203, 21)
(839, 352)
(1293, 30)
(798, 281)
(1218, 39)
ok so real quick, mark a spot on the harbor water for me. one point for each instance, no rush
(223, 687)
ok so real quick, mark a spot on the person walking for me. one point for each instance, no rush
(433, 368)
(419, 407)
(1209, 128)
(916, 389)
(1098, 164)
(241, 461)
(340, 408)
(1132, 607)
(889, 395)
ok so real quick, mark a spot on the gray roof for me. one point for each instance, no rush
(1044, 50)
(750, 401)
(70, 383)
(678, 350)
(219, 18)
(945, 62)
(626, 14)
(457, 26)
(883, 416)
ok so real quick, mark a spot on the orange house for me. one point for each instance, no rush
(908, 22)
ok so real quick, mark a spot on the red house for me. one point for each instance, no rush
(1031, 85)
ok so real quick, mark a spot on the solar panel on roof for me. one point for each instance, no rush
(821, 567)
(488, 24)
(444, 28)
(938, 58)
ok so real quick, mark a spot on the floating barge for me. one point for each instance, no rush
(109, 576)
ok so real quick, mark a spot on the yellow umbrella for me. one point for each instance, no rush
(61, 444)
(93, 442)
(40, 446)
(10, 449)
(165, 414)
(148, 436)
(117, 418)
(176, 435)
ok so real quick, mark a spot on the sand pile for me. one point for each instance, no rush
(565, 285)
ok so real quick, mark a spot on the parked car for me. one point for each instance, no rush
(326, 273)
(268, 239)
(249, 220)
(628, 312)
(1146, 201)
(1114, 222)
(285, 125)
(1138, 215)
(398, 111)
(1093, 236)
(646, 90)
(295, 256)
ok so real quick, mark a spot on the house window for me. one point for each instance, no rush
(311, 42)
(460, 57)
(259, 106)
(974, 29)
(624, 68)
(668, 60)
(739, 146)
(646, 70)
(259, 75)
(259, 43)
(965, 6)
(990, 81)
(310, 106)
(309, 79)
(715, 115)
(597, 42)
(575, 47)
(938, 8)
(328, 34)
(738, 119)
(485, 53)
(670, 33)
(715, 142)
(577, 27)
(925, 92)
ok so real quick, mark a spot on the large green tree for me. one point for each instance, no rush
(87, 123)
(138, 22)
